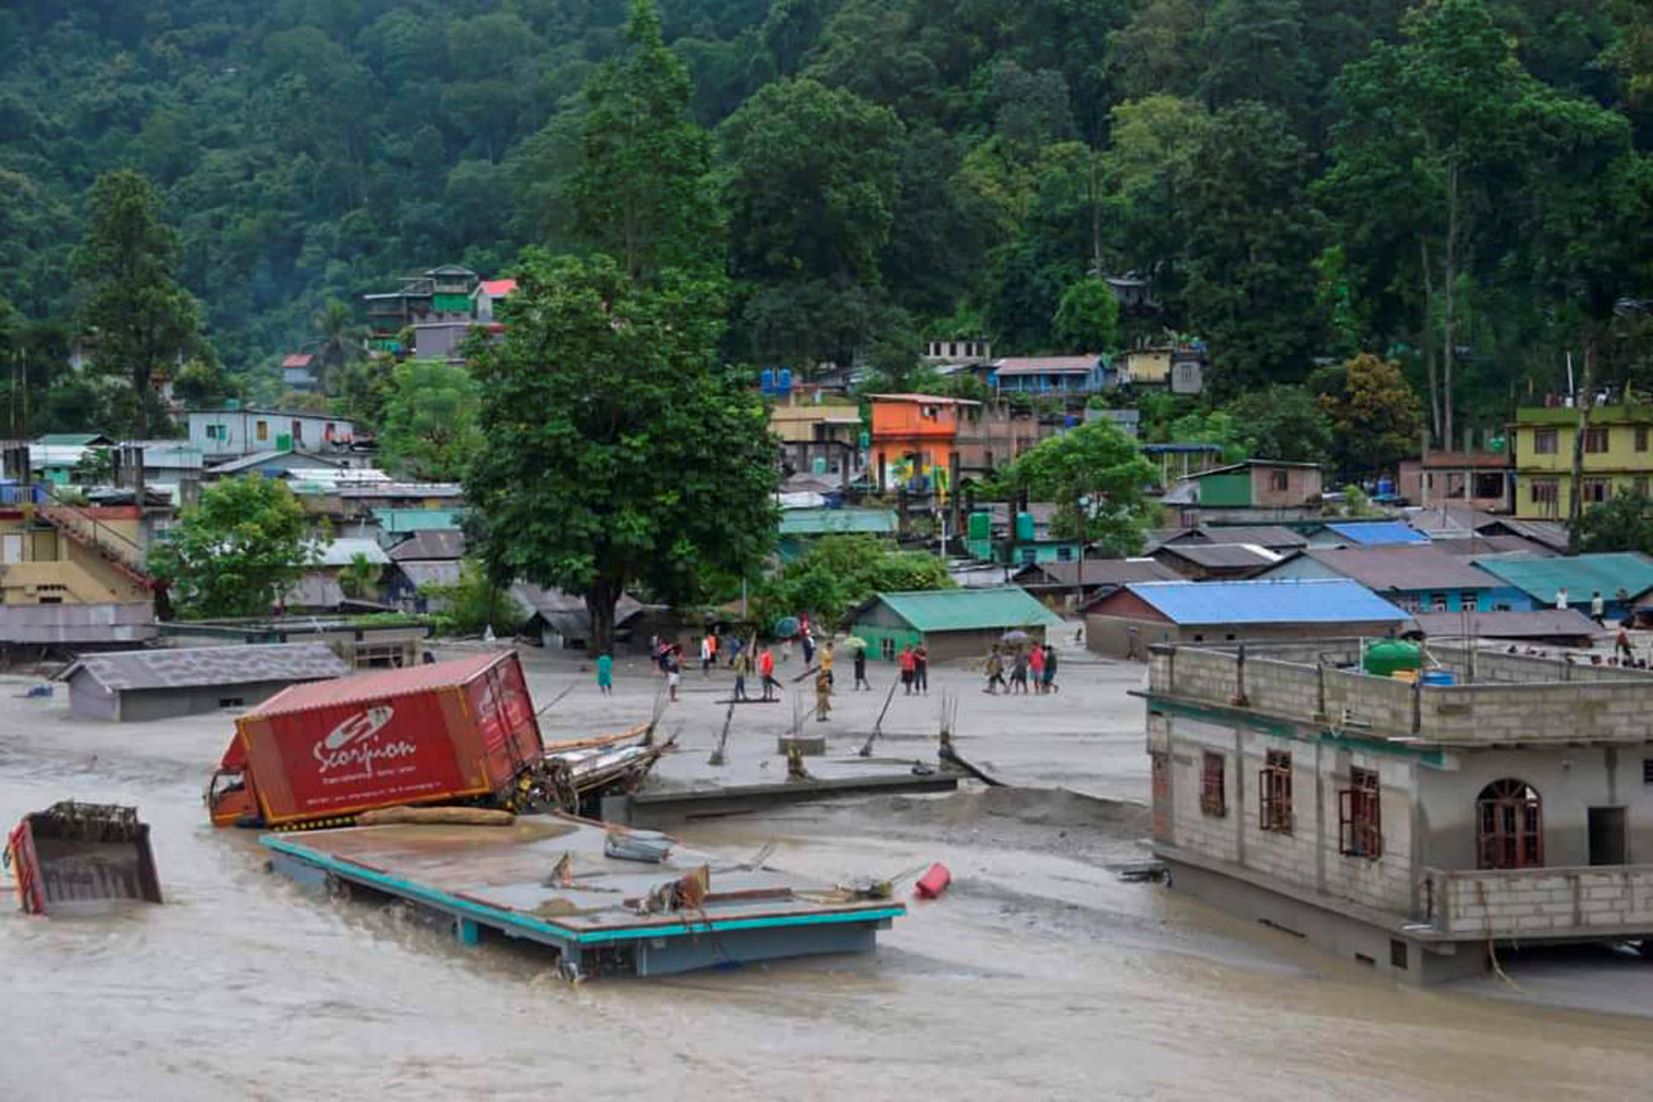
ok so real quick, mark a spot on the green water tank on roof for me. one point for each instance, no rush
(981, 526)
(1024, 528)
(1384, 657)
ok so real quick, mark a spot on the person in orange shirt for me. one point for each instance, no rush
(908, 664)
(766, 669)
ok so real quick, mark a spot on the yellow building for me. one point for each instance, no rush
(61, 554)
(1618, 456)
(810, 422)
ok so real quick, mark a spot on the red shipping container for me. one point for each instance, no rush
(433, 733)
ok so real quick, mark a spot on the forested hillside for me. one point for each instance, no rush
(1458, 184)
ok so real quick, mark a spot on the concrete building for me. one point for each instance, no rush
(1405, 826)
(1126, 623)
(1414, 579)
(914, 439)
(157, 684)
(1060, 376)
(951, 623)
(1476, 479)
(1257, 491)
(1618, 455)
(237, 431)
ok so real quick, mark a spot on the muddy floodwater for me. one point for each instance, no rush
(1039, 975)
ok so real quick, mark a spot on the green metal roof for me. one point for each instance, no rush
(71, 439)
(419, 520)
(1581, 575)
(823, 522)
(1007, 606)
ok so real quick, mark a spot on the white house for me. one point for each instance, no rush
(236, 431)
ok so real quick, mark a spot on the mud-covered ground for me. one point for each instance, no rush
(1039, 975)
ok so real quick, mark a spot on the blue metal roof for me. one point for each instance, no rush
(1371, 533)
(1293, 601)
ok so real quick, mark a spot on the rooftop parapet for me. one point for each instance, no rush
(1500, 700)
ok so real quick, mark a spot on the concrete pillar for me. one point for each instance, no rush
(468, 932)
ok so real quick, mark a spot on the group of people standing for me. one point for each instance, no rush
(914, 664)
(1033, 665)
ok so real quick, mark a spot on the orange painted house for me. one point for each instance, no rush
(913, 437)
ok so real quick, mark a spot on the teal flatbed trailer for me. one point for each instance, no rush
(547, 879)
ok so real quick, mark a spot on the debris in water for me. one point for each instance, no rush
(934, 882)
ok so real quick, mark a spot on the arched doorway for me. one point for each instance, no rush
(1509, 826)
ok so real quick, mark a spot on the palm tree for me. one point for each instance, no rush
(342, 340)
(359, 578)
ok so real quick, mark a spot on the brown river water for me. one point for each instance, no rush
(1040, 975)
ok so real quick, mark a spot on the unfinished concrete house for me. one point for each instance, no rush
(1414, 826)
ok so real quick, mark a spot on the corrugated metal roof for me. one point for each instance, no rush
(817, 522)
(1221, 555)
(431, 572)
(1043, 365)
(342, 552)
(434, 544)
(1306, 601)
(1580, 575)
(1473, 546)
(1270, 536)
(1404, 567)
(187, 667)
(379, 684)
(1540, 623)
(419, 520)
(1099, 572)
(1372, 533)
(1007, 606)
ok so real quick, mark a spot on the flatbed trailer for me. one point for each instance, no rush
(500, 881)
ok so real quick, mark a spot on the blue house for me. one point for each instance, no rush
(1415, 578)
(1056, 375)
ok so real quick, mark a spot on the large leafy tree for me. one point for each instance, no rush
(641, 192)
(1095, 475)
(838, 573)
(1282, 422)
(619, 450)
(139, 321)
(1374, 413)
(810, 185)
(237, 551)
(1623, 524)
(1252, 239)
(430, 422)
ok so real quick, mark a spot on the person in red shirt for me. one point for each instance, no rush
(908, 664)
(766, 670)
(1036, 665)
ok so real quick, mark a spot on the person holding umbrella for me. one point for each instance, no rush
(858, 649)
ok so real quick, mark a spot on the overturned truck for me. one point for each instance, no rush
(458, 732)
(76, 856)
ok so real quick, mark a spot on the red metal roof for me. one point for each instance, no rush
(498, 288)
(379, 684)
(298, 359)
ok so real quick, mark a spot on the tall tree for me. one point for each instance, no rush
(619, 450)
(1252, 237)
(810, 186)
(642, 192)
(139, 321)
(1095, 475)
(1255, 52)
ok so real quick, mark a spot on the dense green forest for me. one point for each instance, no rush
(1460, 185)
